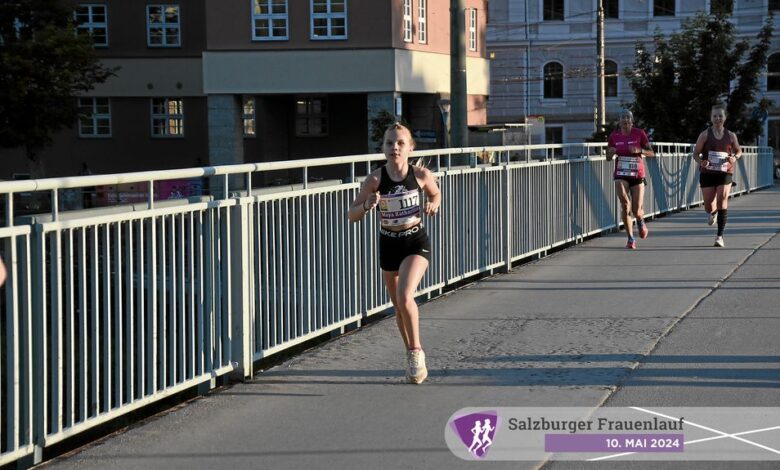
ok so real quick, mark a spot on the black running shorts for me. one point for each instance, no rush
(709, 180)
(394, 247)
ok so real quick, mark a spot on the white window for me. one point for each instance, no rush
(664, 7)
(94, 117)
(311, 116)
(329, 19)
(422, 21)
(167, 117)
(93, 20)
(269, 20)
(249, 116)
(473, 29)
(553, 10)
(407, 20)
(163, 26)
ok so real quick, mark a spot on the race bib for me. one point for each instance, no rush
(399, 209)
(628, 166)
(718, 161)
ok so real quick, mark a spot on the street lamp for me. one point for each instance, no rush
(444, 108)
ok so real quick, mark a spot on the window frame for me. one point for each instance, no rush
(616, 12)
(730, 11)
(545, 81)
(422, 21)
(94, 117)
(167, 117)
(91, 25)
(328, 16)
(407, 20)
(673, 11)
(249, 118)
(773, 76)
(556, 153)
(553, 16)
(473, 29)
(309, 116)
(615, 77)
(164, 26)
(270, 16)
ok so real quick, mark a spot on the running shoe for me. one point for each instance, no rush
(631, 245)
(643, 230)
(712, 217)
(719, 242)
(417, 370)
(408, 363)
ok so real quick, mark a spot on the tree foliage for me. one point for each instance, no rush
(43, 64)
(676, 83)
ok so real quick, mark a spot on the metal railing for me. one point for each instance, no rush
(108, 310)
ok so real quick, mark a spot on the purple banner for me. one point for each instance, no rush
(614, 442)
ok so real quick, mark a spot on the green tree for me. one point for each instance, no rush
(43, 65)
(677, 81)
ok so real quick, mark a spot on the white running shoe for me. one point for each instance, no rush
(712, 217)
(719, 242)
(417, 370)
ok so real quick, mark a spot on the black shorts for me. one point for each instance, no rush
(712, 179)
(394, 247)
(632, 181)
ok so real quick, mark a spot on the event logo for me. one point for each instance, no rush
(476, 431)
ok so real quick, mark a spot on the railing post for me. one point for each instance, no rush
(38, 342)
(507, 216)
(241, 288)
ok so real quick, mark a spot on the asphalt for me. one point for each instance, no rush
(676, 322)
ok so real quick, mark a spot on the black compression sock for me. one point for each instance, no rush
(723, 215)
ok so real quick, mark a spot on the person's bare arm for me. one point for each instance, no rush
(697, 149)
(431, 187)
(367, 198)
(3, 273)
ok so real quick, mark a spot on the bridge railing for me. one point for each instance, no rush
(107, 310)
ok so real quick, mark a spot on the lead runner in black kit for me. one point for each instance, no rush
(404, 247)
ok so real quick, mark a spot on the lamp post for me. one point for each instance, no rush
(444, 108)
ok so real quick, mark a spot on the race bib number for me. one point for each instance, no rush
(628, 166)
(718, 161)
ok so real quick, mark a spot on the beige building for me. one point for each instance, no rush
(259, 80)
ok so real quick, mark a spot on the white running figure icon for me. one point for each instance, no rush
(476, 430)
(486, 441)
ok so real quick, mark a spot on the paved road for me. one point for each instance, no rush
(674, 323)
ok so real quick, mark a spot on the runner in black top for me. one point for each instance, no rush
(404, 248)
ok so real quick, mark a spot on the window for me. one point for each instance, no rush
(248, 116)
(610, 78)
(163, 27)
(554, 135)
(167, 117)
(612, 9)
(774, 5)
(553, 80)
(94, 117)
(473, 29)
(721, 6)
(311, 117)
(422, 21)
(773, 73)
(663, 7)
(269, 20)
(407, 20)
(93, 20)
(329, 19)
(553, 10)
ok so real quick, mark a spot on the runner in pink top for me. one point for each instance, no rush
(630, 144)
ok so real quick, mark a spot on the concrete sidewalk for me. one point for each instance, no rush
(676, 322)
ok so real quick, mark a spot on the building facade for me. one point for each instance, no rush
(543, 57)
(219, 82)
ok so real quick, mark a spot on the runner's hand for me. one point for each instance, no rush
(372, 201)
(431, 208)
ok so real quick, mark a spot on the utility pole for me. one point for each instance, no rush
(600, 92)
(459, 110)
